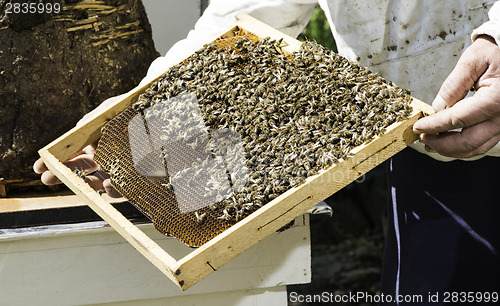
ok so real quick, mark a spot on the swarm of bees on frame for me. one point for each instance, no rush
(295, 114)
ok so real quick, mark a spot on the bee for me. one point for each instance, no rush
(225, 216)
(200, 219)
(80, 173)
(168, 186)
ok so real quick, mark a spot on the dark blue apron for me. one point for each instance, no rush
(443, 233)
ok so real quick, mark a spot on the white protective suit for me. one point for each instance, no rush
(415, 44)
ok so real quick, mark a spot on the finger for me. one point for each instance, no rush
(481, 150)
(112, 192)
(39, 166)
(102, 175)
(90, 149)
(467, 112)
(94, 182)
(84, 162)
(485, 147)
(474, 140)
(439, 103)
(463, 77)
(48, 178)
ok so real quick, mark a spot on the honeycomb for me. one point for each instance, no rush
(237, 124)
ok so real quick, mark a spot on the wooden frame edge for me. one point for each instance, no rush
(211, 256)
(137, 238)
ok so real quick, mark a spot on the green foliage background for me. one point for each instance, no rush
(319, 30)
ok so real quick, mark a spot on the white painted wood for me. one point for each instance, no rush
(276, 296)
(74, 265)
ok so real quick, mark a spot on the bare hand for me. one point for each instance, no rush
(84, 161)
(478, 116)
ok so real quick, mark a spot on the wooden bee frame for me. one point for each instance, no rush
(195, 266)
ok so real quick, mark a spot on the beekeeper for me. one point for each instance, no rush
(443, 233)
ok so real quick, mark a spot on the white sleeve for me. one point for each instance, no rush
(492, 27)
(290, 17)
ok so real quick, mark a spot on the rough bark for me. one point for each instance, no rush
(54, 68)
